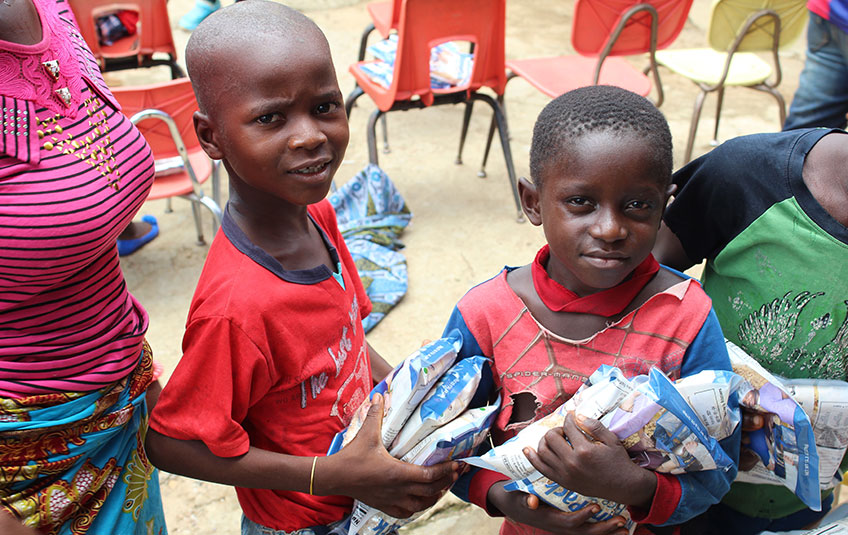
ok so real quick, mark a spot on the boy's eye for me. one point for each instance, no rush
(326, 107)
(578, 201)
(268, 118)
(639, 205)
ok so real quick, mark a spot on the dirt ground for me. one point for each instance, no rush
(463, 230)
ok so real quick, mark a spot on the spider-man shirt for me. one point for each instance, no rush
(675, 330)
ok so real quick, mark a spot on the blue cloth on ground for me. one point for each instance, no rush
(372, 214)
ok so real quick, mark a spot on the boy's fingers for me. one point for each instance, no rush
(441, 473)
(532, 502)
(594, 430)
(374, 418)
(751, 421)
(535, 460)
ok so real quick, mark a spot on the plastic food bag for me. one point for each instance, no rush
(662, 428)
(403, 389)
(826, 403)
(450, 397)
(786, 444)
(448, 65)
(454, 440)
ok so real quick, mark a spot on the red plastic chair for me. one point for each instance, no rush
(603, 31)
(424, 24)
(163, 114)
(153, 35)
(384, 19)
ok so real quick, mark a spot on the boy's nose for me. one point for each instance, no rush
(608, 226)
(306, 134)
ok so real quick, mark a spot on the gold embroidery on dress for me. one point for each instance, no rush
(95, 149)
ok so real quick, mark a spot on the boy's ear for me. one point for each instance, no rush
(207, 135)
(528, 192)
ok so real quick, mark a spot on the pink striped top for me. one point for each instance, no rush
(73, 173)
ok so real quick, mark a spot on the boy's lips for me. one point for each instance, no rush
(311, 168)
(605, 260)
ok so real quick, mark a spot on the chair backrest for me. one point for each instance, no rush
(174, 97)
(154, 27)
(594, 22)
(729, 17)
(424, 24)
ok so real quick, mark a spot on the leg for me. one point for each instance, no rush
(715, 142)
(198, 224)
(466, 118)
(201, 10)
(351, 99)
(385, 124)
(372, 136)
(503, 132)
(822, 95)
(693, 126)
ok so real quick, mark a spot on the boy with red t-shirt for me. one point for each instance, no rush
(275, 359)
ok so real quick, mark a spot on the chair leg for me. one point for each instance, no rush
(482, 172)
(385, 125)
(500, 119)
(168, 206)
(781, 104)
(351, 99)
(693, 127)
(215, 208)
(466, 118)
(372, 136)
(195, 210)
(216, 181)
(719, 102)
(176, 70)
(363, 42)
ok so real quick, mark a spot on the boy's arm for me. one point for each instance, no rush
(380, 368)
(363, 469)
(696, 491)
(669, 251)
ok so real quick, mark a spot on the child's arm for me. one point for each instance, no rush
(363, 469)
(379, 367)
(584, 456)
(669, 251)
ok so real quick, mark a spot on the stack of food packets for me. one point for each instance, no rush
(786, 445)
(433, 412)
(449, 67)
(667, 427)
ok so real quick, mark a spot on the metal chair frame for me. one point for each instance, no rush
(197, 196)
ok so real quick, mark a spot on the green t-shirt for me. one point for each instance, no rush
(777, 267)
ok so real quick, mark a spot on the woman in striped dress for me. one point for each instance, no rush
(74, 366)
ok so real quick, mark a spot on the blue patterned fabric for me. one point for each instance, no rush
(372, 215)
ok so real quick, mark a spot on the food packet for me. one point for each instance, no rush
(450, 397)
(826, 403)
(661, 427)
(786, 444)
(448, 65)
(457, 438)
(403, 389)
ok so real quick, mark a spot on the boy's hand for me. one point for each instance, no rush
(585, 457)
(364, 470)
(751, 421)
(526, 509)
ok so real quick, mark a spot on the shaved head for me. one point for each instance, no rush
(230, 35)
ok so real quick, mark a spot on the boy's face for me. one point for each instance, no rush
(600, 204)
(281, 120)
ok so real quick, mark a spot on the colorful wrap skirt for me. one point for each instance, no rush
(74, 462)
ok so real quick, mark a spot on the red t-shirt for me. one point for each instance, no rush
(273, 359)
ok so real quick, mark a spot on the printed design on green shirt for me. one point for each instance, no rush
(770, 331)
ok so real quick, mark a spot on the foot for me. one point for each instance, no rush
(200, 11)
(137, 235)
